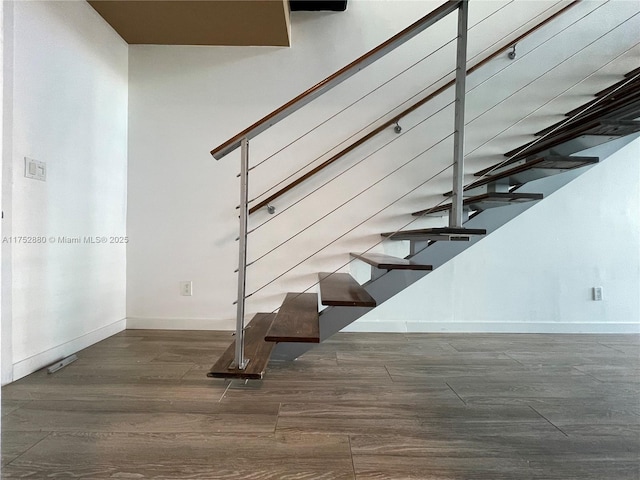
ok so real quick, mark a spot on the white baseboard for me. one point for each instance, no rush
(489, 327)
(376, 327)
(43, 359)
(138, 323)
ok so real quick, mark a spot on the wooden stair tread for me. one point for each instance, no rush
(297, 320)
(562, 162)
(603, 129)
(623, 86)
(438, 233)
(540, 164)
(388, 262)
(341, 289)
(256, 349)
(486, 200)
(632, 73)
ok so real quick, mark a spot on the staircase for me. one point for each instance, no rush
(498, 195)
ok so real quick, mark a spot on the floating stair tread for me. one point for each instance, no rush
(486, 200)
(256, 349)
(632, 73)
(341, 289)
(623, 87)
(388, 262)
(561, 162)
(538, 167)
(297, 320)
(438, 233)
(598, 128)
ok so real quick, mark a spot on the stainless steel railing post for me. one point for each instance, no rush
(240, 362)
(456, 214)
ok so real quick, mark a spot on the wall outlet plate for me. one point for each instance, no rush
(597, 294)
(186, 288)
(35, 169)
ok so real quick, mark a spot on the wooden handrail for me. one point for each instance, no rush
(337, 78)
(404, 113)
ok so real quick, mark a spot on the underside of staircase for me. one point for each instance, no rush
(307, 318)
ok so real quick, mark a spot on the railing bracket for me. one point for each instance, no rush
(234, 366)
(271, 209)
(512, 53)
(397, 128)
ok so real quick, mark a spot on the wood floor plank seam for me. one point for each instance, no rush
(456, 393)
(550, 422)
(30, 448)
(353, 465)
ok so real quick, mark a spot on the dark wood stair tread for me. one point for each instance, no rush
(561, 162)
(256, 349)
(485, 201)
(438, 233)
(525, 171)
(341, 289)
(388, 262)
(622, 87)
(297, 320)
(593, 125)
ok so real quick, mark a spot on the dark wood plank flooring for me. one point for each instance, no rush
(360, 406)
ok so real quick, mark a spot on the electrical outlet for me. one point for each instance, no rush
(186, 288)
(597, 294)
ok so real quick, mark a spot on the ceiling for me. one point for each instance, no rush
(199, 22)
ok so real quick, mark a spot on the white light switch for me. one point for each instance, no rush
(35, 169)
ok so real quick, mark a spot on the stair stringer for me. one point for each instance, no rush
(387, 285)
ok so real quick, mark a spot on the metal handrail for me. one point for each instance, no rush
(338, 77)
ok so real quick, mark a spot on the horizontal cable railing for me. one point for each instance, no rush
(395, 118)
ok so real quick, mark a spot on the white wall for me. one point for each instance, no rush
(536, 273)
(69, 109)
(186, 100)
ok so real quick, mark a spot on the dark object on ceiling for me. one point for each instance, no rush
(316, 5)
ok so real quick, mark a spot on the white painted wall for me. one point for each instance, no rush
(68, 108)
(536, 273)
(186, 100)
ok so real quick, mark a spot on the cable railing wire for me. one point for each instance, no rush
(553, 68)
(551, 100)
(434, 207)
(347, 170)
(282, 211)
(376, 89)
(350, 199)
(414, 96)
(410, 99)
(352, 229)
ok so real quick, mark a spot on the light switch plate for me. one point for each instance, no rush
(35, 169)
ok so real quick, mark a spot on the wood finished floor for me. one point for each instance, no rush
(360, 406)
